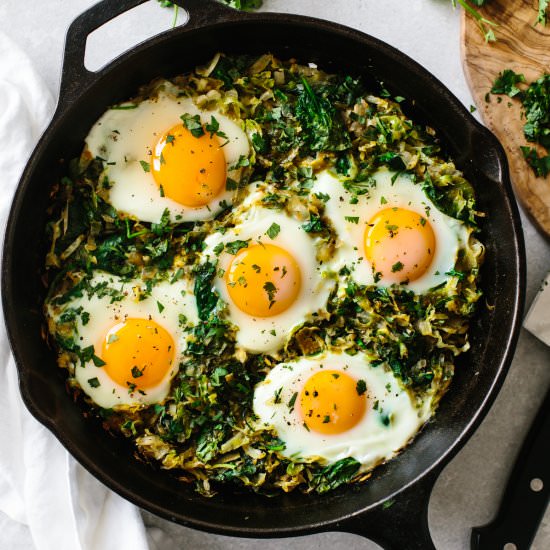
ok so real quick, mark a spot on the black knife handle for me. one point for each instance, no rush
(526, 496)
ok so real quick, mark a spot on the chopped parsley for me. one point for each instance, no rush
(273, 230)
(535, 101)
(314, 225)
(234, 246)
(292, 401)
(94, 382)
(193, 124)
(136, 372)
(271, 290)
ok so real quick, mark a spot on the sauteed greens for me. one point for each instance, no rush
(300, 122)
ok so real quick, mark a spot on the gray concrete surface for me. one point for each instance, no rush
(468, 491)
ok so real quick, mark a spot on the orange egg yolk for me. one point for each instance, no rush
(263, 280)
(400, 244)
(187, 169)
(330, 403)
(138, 353)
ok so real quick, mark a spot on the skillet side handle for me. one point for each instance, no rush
(400, 523)
(74, 75)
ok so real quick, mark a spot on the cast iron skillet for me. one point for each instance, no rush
(406, 481)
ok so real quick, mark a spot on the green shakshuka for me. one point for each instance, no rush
(261, 274)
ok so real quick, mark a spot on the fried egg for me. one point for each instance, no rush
(336, 406)
(137, 337)
(392, 233)
(269, 277)
(154, 160)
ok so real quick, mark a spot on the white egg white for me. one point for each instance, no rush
(125, 137)
(165, 305)
(389, 423)
(350, 214)
(269, 334)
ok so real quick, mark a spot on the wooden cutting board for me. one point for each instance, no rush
(525, 49)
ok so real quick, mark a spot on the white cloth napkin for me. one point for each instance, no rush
(47, 500)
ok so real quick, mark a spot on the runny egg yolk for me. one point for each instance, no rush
(187, 169)
(400, 244)
(330, 402)
(138, 353)
(263, 280)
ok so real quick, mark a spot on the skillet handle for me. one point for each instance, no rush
(75, 77)
(400, 523)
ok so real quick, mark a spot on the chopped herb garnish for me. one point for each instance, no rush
(273, 230)
(361, 387)
(213, 126)
(234, 246)
(98, 362)
(193, 124)
(145, 165)
(314, 225)
(136, 372)
(271, 290)
(94, 382)
(292, 400)
(322, 196)
(259, 143)
(231, 184)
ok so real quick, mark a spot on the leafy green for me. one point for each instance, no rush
(323, 127)
(335, 475)
(206, 297)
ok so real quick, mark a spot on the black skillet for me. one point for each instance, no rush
(391, 508)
